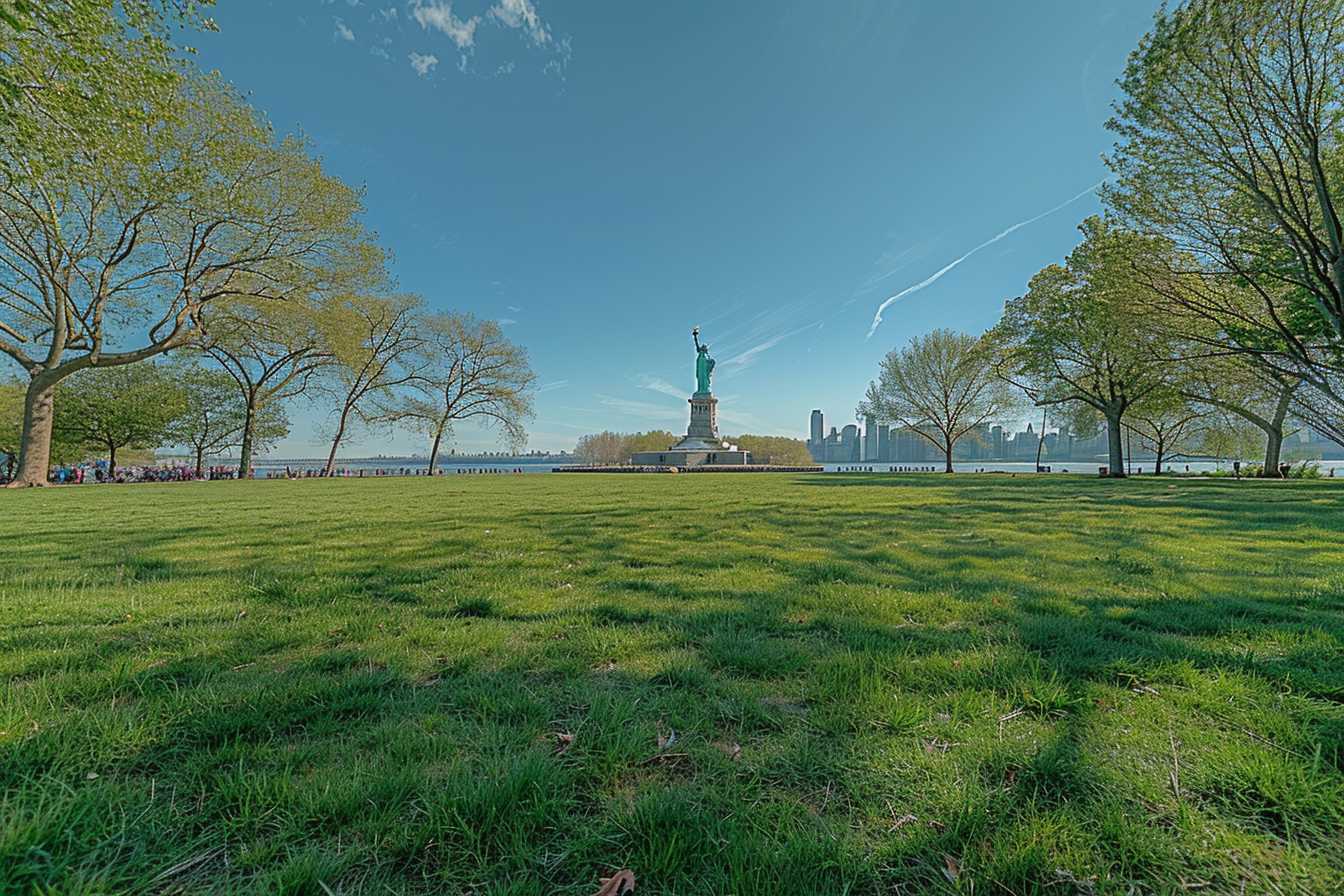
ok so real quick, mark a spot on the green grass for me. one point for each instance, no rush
(963, 685)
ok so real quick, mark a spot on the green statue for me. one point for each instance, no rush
(704, 364)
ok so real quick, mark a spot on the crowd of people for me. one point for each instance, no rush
(96, 472)
(100, 472)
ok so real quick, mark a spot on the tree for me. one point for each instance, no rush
(603, 448)
(272, 352)
(780, 450)
(653, 440)
(81, 70)
(1229, 438)
(1323, 409)
(1241, 386)
(1079, 334)
(942, 386)
(131, 406)
(112, 255)
(1166, 424)
(373, 337)
(1229, 145)
(464, 370)
(215, 415)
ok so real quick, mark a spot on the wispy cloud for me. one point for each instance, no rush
(552, 386)
(343, 31)
(521, 14)
(505, 321)
(423, 63)
(745, 359)
(655, 384)
(646, 410)
(439, 16)
(937, 275)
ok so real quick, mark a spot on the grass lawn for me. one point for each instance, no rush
(970, 684)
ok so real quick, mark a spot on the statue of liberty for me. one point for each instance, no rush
(704, 365)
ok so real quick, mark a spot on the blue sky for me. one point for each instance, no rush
(602, 176)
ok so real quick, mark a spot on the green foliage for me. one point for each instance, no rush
(214, 413)
(88, 71)
(205, 208)
(1080, 335)
(941, 385)
(609, 447)
(778, 450)
(452, 685)
(133, 406)
(1229, 142)
(464, 368)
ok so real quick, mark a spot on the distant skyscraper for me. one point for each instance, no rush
(884, 443)
(817, 444)
(849, 444)
(870, 438)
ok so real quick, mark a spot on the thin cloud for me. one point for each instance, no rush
(343, 31)
(654, 384)
(936, 276)
(745, 359)
(439, 16)
(423, 63)
(552, 386)
(505, 321)
(644, 409)
(521, 14)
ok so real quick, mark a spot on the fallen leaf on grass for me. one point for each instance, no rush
(563, 741)
(903, 821)
(1085, 886)
(952, 869)
(665, 741)
(731, 750)
(618, 884)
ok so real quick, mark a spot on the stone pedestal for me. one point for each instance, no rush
(702, 445)
(704, 417)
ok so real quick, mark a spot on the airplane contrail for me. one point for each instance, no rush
(933, 278)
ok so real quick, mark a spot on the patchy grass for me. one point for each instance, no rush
(861, 685)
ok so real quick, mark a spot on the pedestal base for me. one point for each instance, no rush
(704, 417)
(702, 445)
(686, 456)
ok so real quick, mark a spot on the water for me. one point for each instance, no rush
(1085, 467)
(370, 466)
(395, 465)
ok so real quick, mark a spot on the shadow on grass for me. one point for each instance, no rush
(917, 706)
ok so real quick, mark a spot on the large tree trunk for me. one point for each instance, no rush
(947, 455)
(336, 441)
(1274, 432)
(111, 461)
(39, 414)
(1273, 450)
(434, 452)
(1040, 443)
(245, 448)
(1157, 471)
(1116, 445)
(200, 462)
